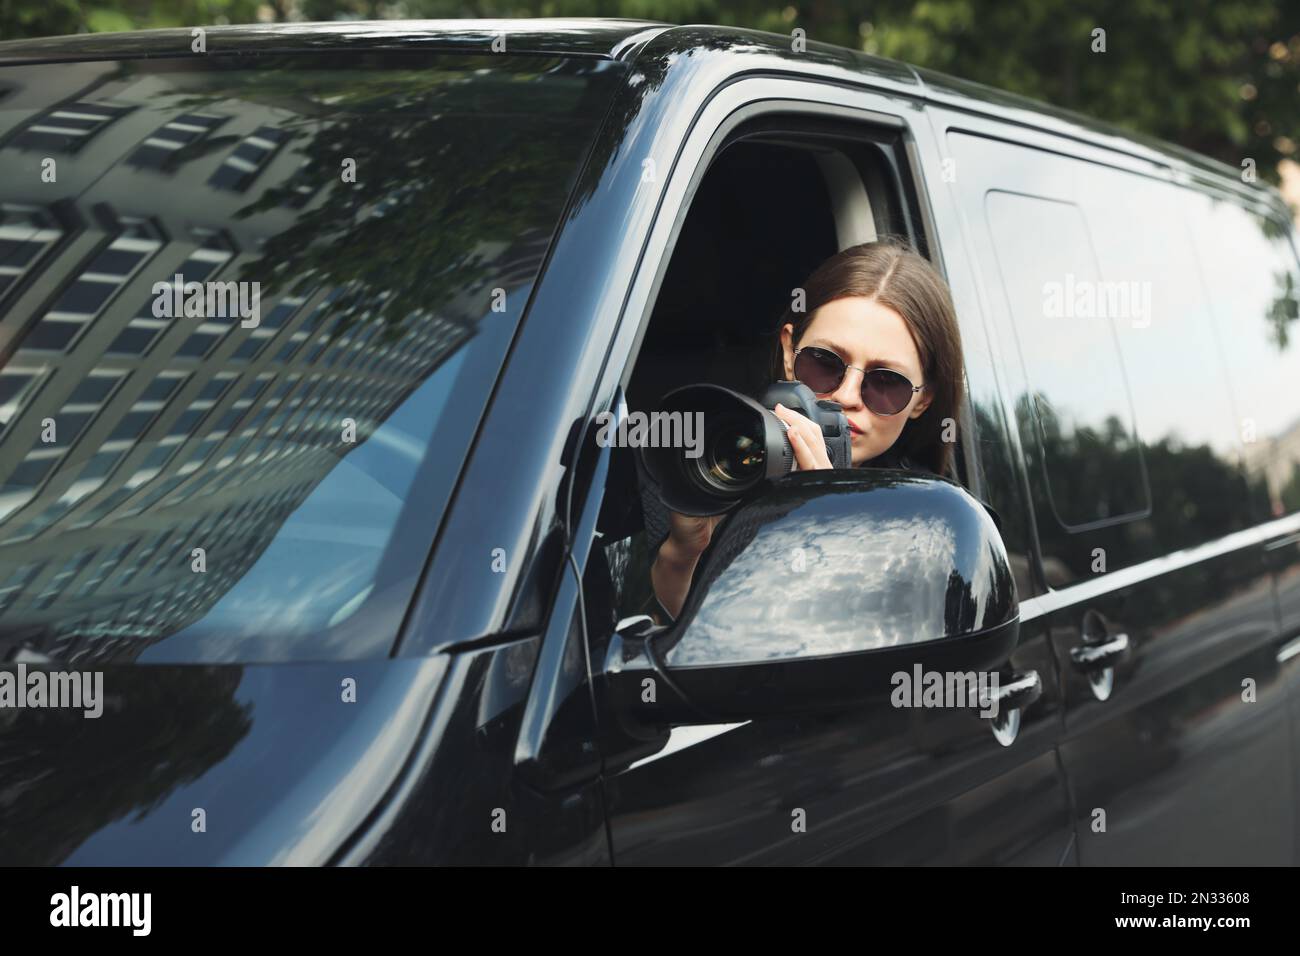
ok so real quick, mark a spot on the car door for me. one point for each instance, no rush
(874, 785)
(1159, 604)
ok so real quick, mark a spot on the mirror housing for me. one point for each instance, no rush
(814, 594)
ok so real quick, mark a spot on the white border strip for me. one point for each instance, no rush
(1289, 650)
(1092, 588)
(679, 738)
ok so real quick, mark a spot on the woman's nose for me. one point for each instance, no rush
(849, 394)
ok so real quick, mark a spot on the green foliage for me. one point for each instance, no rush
(1218, 77)
(1290, 493)
(39, 18)
(36, 18)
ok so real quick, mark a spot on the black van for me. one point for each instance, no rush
(354, 572)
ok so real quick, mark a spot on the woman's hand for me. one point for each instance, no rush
(690, 535)
(806, 440)
(675, 563)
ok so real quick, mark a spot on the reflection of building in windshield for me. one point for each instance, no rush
(127, 439)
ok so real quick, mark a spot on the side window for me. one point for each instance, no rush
(1178, 379)
(1078, 415)
(1249, 267)
(765, 215)
(1121, 397)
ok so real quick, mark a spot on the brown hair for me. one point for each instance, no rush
(895, 275)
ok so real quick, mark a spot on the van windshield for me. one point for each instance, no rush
(251, 311)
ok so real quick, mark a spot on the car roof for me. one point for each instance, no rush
(629, 40)
(605, 38)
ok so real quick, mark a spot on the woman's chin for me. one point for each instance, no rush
(862, 450)
(861, 456)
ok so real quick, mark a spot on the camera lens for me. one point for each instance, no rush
(734, 457)
(741, 445)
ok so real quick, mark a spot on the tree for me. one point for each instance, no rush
(1217, 77)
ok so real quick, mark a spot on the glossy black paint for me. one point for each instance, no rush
(790, 614)
(1187, 771)
(465, 801)
(484, 725)
(1167, 759)
(935, 569)
(606, 39)
(281, 759)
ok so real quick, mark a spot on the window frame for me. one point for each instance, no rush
(770, 119)
(773, 109)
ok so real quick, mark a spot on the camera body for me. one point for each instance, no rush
(829, 415)
(743, 444)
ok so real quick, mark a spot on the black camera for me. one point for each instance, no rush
(739, 443)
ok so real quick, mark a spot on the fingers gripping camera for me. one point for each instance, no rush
(744, 443)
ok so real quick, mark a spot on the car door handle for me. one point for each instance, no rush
(1011, 699)
(1091, 657)
(1018, 693)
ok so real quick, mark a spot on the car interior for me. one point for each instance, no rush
(775, 202)
(767, 212)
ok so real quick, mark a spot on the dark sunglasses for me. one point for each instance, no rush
(884, 391)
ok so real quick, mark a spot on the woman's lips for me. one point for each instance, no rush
(855, 429)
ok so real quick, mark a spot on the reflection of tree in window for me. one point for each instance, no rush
(1284, 309)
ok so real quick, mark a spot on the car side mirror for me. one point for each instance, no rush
(813, 594)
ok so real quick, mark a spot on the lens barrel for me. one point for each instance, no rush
(742, 444)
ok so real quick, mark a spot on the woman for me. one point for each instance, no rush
(877, 334)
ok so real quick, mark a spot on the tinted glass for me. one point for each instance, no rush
(1175, 367)
(1112, 360)
(1249, 267)
(256, 472)
(1079, 412)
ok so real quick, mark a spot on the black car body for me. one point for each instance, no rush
(413, 646)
